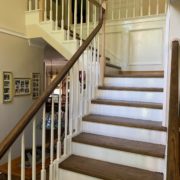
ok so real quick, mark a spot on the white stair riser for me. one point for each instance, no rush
(119, 157)
(135, 82)
(136, 134)
(69, 175)
(129, 112)
(155, 97)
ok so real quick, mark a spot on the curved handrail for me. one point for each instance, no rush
(27, 117)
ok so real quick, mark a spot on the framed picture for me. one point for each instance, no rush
(22, 86)
(36, 84)
(7, 87)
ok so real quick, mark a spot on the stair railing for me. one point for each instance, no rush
(173, 154)
(43, 135)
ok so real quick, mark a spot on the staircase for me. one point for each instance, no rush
(111, 123)
(123, 136)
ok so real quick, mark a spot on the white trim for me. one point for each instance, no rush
(12, 33)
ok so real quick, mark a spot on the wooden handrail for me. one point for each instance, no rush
(173, 156)
(26, 119)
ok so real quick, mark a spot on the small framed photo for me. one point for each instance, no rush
(22, 86)
(36, 84)
(7, 87)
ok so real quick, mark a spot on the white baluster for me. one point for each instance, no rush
(69, 9)
(141, 8)
(66, 118)
(134, 9)
(98, 61)
(43, 170)
(88, 17)
(81, 27)
(36, 4)
(23, 157)
(30, 5)
(75, 19)
(51, 177)
(149, 7)
(34, 150)
(62, 18)
(165, 6)
(45, 10)
(127, 8)
(56, 21)
(59, 125)
(120, 4)
(9, 166)
(51, 9)
(157, 7)
(112, 16)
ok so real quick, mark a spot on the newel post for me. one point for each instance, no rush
(103, 58)
(173, 154)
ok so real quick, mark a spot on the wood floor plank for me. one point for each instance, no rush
(128, 122)
(149, 149)
(107, 171)
(128, 103)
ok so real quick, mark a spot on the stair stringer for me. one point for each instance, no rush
(45, 30)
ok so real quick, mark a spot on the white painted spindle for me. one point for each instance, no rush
(34, 150)
(75, 19)
(88, 17)
(30, 5)
(45, 10)
(149, 7)
(56, 21)
(43, 170)
(69, 9)
(134, 8)
(141, 8)
(127, 8)
(52, 141)
(9, 165)
(59, 125)
(36, 4)
(62, 15)
(112, 9)
(51, 10)
(81, 27)
(23, 157)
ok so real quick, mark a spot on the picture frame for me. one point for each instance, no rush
(36, 85)
(22, 86)
(7, 87)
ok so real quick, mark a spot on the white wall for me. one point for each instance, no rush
(18, 57)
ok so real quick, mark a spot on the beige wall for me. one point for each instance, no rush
(17, 57)
(12, 15)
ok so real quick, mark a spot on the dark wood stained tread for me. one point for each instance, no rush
(106, 170)
(128, 103)
(131, 89)
(127, 122)
(113, 66)
(137, 147)
(138, 74)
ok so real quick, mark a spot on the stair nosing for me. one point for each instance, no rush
(137, 89)
(124, 149)
(134, 104)
(88, 118)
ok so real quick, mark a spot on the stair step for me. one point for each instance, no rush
(128, 122)
(128, 103)
(143, 89)
(139, 74)
(137, 147)
(106, 170)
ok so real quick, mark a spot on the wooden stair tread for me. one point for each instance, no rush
(128, 103)
(144, 148)
(144, 89)
(128, 122)
(113, 66)
(106, 170)
(136, 74)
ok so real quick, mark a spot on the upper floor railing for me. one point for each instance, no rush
(128, 9)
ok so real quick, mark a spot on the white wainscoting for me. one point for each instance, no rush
(136, 44)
